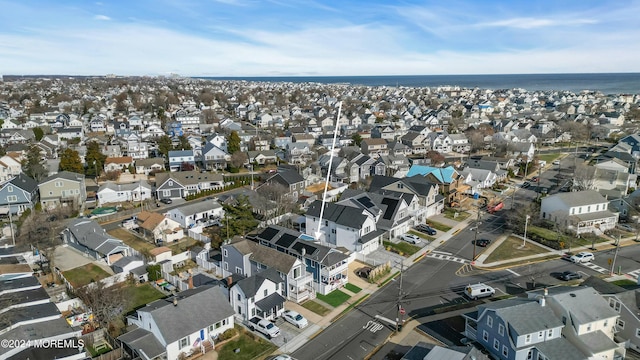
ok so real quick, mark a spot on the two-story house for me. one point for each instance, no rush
(214, 157)
(179, 157)
(459, 143)
(347, 226)
(290, 179)
(258, 295)
(626, 303)
(374, 147)
(298, 152)
(248, 257)
(159, 228)
(121, 163)
(180, 325)
(580, 211)
(200, 213)
(329, 266)
(451, 183)
(19, 194)
(10, 166)
(64, 188)
(149, 166)
(428, 203)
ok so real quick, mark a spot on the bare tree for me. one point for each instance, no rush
(238, 159)
(277, 195)
(584, 177)
(106, 303)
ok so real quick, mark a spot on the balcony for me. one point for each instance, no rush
(299, 295)
(471, 331)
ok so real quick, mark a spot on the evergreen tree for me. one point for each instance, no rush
(94, 159)
(184, 143)
(34, 166)
(164, 145)
(239, 218)
(233, 142)
(70, 161)
(39, 133)
(357, 139)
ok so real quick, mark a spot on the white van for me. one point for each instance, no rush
(476, 291)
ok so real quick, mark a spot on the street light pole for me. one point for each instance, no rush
(526, 222)
(475, 237)
(13, 237)
(399, 310)
(615, 255)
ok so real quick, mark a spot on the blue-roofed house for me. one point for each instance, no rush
(450, 182)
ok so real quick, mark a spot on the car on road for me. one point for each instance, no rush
(426, 229)
(166, 201)
(582, 257)
(569, 275)
(481, 242)
(295, 318)
(364, 272)
(279, 357)
(556, 162)
(535, 179)
(525, 185)
(476, 291)
(411, 239)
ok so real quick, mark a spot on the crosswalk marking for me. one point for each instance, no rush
(595, 267)
(634, 273)
(447, 258)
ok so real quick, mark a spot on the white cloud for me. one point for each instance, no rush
(102, 18)
(532, 23)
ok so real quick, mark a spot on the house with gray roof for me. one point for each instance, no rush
(345, 225)
(579, 211)
(177, 185)
(112, 192)
(18, 195)
(249, 258)
(258, 295)
(64, 188)
(429, 201)
(293, 183)
(179, 157)
(180, 325)
(201, 213)
(627, 304)
(329, 266)
(89, 237)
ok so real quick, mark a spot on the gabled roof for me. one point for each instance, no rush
(252, 284)
(71, 176)
(340, 214)
(525, 316)
(89, 234)
(198, 207)
(265, 255)
(185, 178)
(196, 309)
(443, 175)
(180, 153)
(24, 182)
(286, 178)
(578, 198)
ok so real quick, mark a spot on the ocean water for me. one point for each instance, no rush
(611, 83)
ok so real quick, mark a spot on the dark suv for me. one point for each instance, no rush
(166, 201)
(426, 229)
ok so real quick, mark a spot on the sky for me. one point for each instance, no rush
(318, 38)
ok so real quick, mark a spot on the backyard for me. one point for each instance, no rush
(511, 248)
(248, 347)
(456, 215)
(85, 274)
(141, 295)
(548, 157)
(315, 307)
(132, 240)
(558, 241)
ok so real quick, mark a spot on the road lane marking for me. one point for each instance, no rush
(513, 272)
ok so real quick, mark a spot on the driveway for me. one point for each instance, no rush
(67, 258)
(381, 256)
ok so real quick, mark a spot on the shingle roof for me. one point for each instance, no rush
(340, 214)
(265, 255)
(24, 182)
(252, 284)
(579, 198)
(525, 316)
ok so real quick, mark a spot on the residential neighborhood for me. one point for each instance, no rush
(180, 218)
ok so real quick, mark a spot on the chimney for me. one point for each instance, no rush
(229, 281)
(190, 281)
(175, 301)
(546, 292)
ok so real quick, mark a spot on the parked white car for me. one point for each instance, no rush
(295, 318)
(410, 238)
(582, 257)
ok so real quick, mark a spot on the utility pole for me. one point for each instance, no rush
(526, 222)
(615, 255)
(475, 237)
(13, 236)
(400, 310)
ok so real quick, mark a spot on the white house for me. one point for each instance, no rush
(180, 325)
(199, 213)
(111, 192)
(580, 211)
(258, 295)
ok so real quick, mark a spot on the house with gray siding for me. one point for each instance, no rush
(201, 213)
(89, 238)
(248, 258)
(18, 195)
(258, 295)
(64, 188)
(180, 184)
(328, 266)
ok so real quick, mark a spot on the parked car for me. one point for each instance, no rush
(166, 201)
(582, 257)
(481, 242)
(535, 179)
(476, 291)
(266, 327)
(426, 229)
(411, 239)
(295, 318)
(279, 357)
(556, 162)
(364, 272)
(569, 275)
(525, 184)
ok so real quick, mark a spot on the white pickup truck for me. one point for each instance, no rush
(266, 327)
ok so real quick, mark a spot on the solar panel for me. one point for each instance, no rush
(364, 200)
(286, 240)
(391, 207)
(308, 248)
(268, 233)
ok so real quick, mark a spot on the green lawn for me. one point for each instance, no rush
(132, 240)
(84, 275)
(510, 249)
(626, 283)
(548, 157)
(439, 226)
(334, 298)
(451, 214)
(566, 239)
(250, 348)
(403, 248)
(354, 289)
(141, 295)
(315, 307)
(183, 245)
